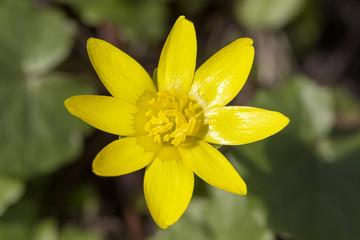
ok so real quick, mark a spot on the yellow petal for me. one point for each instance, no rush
(108, 114)
(221, 77)
(122, 76)
(168, 186)
(123, 156)
(241, 125)
(178, 58)
(211, 166)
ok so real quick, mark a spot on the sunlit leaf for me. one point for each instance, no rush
(267, 14)
(11, 190)
(45, 230)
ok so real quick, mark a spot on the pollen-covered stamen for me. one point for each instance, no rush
(173, 117)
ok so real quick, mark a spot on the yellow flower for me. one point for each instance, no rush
(167, 128)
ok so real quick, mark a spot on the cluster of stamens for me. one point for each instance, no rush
(173, 117)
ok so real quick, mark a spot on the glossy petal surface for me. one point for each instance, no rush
(122, 76)
(123, 156)
(211, 166)
(241, 125)
(178, 58)
(108, 114)
(221, 77)
(168, 186)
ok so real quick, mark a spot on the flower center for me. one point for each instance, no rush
(173, 117)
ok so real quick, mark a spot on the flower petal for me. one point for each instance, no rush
(123, 156)
(178, 58)
(221, 77)
(211, 166)
(168, 186)
(108, 114)
(241, 125)
(122, 76)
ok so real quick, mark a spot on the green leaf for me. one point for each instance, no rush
(40, 134)
(36, 39)
(307, 196)
(23, 222)
(45, 230)
(309, 23)
(310, 191)
(222, 216)
(311, 108)
(13, 231)
(267, 14)
(19, 220)
(136, 20)
(11, 190)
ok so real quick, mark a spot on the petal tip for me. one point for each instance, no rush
(95, 168)
(181, 17)
(243, 191)
(284, 120)
(95, 172)
(287, 120)
(69, 104)
(66, 102)
(163, 226)
(246, 41)
(101, 173)
(183, 20)
(91, 41)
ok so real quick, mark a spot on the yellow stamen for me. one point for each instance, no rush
(173, 117)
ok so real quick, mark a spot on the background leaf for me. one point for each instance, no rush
(238, 214)
(137, 20)
(267, 14)
(308, 194)
(10, 191)
(37, 39)
(38, 135)
(310, 107)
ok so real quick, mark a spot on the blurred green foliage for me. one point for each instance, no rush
(11, 189)
(303, 176)
(135, 19)
(37, 135)
(220, 215)
(267, 14)
(303, 183)
(40, 135)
